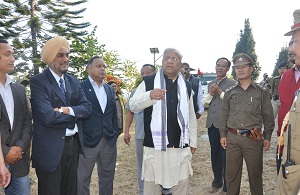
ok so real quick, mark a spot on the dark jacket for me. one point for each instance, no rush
(195, 87)
(49, 126)
(101, 124)
(21, 132)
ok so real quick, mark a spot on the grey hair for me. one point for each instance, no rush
(173, 49)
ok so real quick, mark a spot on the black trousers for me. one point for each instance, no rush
(218, 158)
(63, 181)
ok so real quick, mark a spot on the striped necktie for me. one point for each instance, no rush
(62, 88)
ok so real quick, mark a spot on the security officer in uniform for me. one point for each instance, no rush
(282, 67)
(245, 107)
(288, 181)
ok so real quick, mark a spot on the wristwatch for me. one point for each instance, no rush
(60, 110)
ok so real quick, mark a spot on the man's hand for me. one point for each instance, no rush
(193, 150)
(127, 138)
(14, 155)
(212, 89)
(266, 145)
(65, 110)
(5, 175)
(157, 94)
(223, 142)
(198, 115)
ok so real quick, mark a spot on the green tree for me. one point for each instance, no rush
(113, 62)
(129, 75)
(246, 45)
(282, 56)
(83, 51)
(32, 22)
(125, 70)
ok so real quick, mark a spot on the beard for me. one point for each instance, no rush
(58, 68)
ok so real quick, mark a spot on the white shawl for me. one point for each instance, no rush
(159, 114)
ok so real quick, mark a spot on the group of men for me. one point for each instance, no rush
(241, 131)
(74, 124)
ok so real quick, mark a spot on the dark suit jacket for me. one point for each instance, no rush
(21, 132)
(49, 126)
(100, 124)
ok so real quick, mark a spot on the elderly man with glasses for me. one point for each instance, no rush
(170, 128)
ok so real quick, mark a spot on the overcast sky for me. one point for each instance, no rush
(202, 31)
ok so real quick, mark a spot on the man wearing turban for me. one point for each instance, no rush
(58, 107)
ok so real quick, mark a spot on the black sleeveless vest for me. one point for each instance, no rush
(173, 129)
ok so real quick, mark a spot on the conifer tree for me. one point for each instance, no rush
(32, 22)
(246, 45)
(282, 56)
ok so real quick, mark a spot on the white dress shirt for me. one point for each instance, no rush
(199, 99)
(69, 132)
(100, 93)
(8, 99)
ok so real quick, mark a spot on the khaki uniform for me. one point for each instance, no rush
(291, 185)
(275, 95)
(244, 110)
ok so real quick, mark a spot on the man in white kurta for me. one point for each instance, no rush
(170, 128)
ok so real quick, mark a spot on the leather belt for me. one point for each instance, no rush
(241, 132)
(71, 137)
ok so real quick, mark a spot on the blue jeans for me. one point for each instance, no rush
(218, 158)
(18, 185)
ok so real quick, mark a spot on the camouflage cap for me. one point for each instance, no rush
(242, 59)
(296, 25)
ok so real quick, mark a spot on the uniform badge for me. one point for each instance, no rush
(240, 59)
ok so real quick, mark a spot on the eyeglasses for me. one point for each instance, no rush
(173, 59)
(114, 86)
(186, 68)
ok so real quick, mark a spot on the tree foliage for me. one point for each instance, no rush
(125, 70)
(32, 22)
(246, 45)
(282, 56)
(130, 75)
(124, 73)
(83, 51)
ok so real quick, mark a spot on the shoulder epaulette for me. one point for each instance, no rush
(232, 87)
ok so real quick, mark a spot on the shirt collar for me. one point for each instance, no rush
(218, 82)
(8, 80)
(94, 82)
(296, 68)
(252, 83)
(56, 77)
